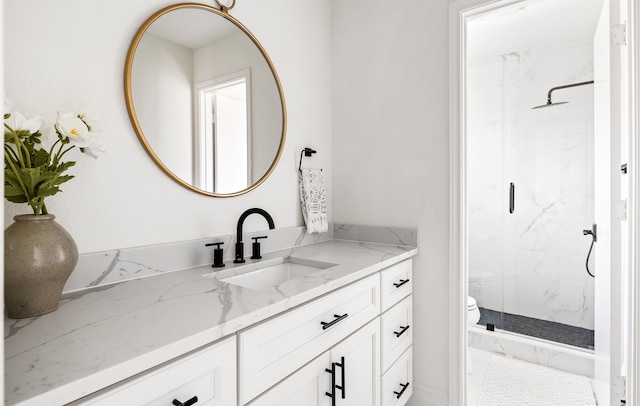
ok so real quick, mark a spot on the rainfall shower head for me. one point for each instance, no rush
(550, 103)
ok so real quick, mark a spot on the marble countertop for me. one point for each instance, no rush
(102, 335)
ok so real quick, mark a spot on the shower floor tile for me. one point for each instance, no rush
(548, 330)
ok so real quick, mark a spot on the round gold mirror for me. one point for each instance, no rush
(205, 100)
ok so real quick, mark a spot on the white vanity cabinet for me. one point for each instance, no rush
(396, 324)
(206, 377)
(365, 359)
(397, 382)
(397, 334)
(271, 350)
(345, 375)
(357, 367)
(308, 386)
(396, 282)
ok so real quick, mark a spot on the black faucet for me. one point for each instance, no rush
(239, 245)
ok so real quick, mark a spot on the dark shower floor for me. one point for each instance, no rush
(548, 330)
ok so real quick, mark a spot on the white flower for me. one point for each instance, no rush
(94, 148)
(92, 120)
(18, 122)
(74, 128)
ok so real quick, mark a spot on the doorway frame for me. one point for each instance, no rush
(200, 145)
(459, 12)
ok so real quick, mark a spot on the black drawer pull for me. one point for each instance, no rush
(332, 395)
(189, 402)
(402, 282)
(401, 332)
(404, 387)
(338, 318)
(341, 365)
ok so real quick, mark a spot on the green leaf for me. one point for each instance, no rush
(17, 199)
(40, 157)
(13, 190)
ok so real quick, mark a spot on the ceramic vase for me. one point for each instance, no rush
(39, 256)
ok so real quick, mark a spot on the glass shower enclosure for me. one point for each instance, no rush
(531, 191)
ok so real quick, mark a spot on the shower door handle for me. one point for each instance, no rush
(512, 198)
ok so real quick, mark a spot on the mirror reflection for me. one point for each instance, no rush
(205, 100)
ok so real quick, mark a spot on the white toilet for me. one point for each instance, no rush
(473, 317)
(473, 313)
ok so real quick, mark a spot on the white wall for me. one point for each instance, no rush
(162, 92)
(69, 55)
(390, 151)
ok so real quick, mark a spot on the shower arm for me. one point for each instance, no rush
(564, 87)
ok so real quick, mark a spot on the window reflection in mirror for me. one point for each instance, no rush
(223, 137)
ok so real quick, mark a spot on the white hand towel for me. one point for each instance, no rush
(313, 200)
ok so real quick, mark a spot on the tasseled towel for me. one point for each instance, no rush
(313, 200)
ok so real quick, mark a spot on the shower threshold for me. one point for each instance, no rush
(547, 330)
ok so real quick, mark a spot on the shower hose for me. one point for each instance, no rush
(593, 240)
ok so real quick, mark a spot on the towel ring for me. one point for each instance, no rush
(307, 152)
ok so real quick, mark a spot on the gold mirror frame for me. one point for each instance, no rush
(134, 118)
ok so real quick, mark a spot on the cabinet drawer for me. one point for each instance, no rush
(209, 374)
(396, 283)
(272, 350)
(397, 331)
(306, 387)
(397, 382)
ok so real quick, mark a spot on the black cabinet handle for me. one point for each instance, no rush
(402, 282)
(404, 387)
(401, 332)
(189, 402)
(342, 386)
(332, 395)
(512, 198)
(338, 318)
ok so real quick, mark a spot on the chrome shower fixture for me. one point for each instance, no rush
(550, 103)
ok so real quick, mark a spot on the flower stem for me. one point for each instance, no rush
(21, 149)
(56, 157)
(9, 161)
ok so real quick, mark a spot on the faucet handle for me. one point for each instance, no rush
(218, 261)
(256, 247)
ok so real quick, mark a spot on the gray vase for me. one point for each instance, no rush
(39, 256)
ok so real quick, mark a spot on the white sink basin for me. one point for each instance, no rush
(268, 273)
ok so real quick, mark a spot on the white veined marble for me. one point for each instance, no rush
(381, 235)
(102, 268)
(532, 262)
(558, 356)
(104, 334)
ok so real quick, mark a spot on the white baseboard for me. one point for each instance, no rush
(424, 395)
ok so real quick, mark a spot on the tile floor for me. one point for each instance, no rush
(475, 382)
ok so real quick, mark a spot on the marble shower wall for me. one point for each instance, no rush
(532, 262)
